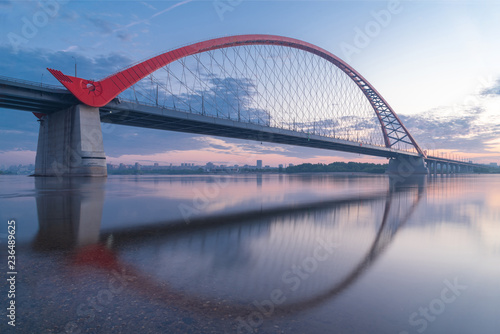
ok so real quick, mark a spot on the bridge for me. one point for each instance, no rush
(255, 87)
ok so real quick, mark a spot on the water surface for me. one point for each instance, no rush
(255, 253)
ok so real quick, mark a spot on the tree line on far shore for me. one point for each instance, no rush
(351, 167)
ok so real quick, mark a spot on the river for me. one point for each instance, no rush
(308, 253)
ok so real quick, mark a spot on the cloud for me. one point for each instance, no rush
(16, 157)
(212, 96)
(31, 64)
(229, 146)
(18, 130)
(220, 147)
(71, 48)
(493, 90)
(171, 7)
(11, 132)
(146, 21)
(148, 5)
(472, 127)
(103, 26)
(69, 15)
(228, 157)
(464, 130)
(121, 140)
(125, 36)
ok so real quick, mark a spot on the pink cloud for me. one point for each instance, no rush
(23, 157)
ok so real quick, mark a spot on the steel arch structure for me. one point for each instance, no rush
(100, 93)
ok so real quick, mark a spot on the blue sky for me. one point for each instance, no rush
(435, 62)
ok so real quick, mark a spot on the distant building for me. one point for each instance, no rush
(259, 164)
(209, 167)
(137, 166)
(494, 164)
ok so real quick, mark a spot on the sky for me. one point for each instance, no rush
(435, 62)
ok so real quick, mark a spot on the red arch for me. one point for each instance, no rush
(99, 93)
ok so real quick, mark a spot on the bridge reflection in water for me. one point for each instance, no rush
(69, 212)
(246, 267)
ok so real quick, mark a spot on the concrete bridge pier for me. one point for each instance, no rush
(432, 166)
(70, 143)
(407, 166)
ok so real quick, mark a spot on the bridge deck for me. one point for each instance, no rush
(38, 98)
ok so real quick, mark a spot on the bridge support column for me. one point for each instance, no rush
(70, 143)
(432, 166)
(407, 166)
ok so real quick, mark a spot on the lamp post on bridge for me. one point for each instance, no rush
(75, 64)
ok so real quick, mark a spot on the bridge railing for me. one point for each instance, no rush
(32, 83)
